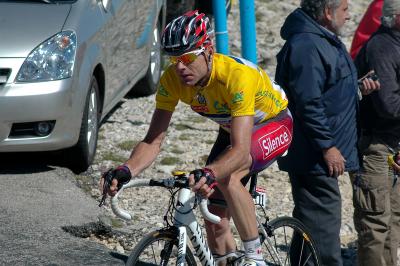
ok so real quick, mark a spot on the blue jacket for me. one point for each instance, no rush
(320, 80)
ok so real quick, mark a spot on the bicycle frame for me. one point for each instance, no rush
(184, 218)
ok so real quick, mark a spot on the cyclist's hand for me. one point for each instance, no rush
(393, 161)
(396, 167)
(334, 161)
(112, 180)
(202, 181)
(111, 190)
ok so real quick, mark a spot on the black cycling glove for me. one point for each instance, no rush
(121, 173)
(207, 173)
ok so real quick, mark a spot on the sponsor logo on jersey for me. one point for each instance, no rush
(275, 142)
(200, 108)
(162, 91)
(237, 97)
(201, 99)
(269, 94)
(221, 108)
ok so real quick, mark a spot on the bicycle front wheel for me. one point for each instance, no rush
(159, 248)
(288, 242)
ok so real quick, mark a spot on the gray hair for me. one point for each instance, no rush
(315, 8)
(388, 21)
(390, 9)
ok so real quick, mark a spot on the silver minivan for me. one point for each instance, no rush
(64, 64)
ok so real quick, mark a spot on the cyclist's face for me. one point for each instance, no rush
(191, 73)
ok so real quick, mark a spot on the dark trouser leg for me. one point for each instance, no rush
(376, 209)
(318, 206)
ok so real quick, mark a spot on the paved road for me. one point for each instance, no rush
(36, 199)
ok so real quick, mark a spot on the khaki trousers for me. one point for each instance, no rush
(376, 200)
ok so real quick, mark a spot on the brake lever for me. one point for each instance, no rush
(108, 176)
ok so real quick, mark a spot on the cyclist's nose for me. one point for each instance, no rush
(180, 66)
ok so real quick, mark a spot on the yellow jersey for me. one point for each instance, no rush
(236, 87)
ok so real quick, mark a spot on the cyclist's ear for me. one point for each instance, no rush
(210, 50)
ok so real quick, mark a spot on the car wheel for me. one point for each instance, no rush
(84, 151)
(148, 85)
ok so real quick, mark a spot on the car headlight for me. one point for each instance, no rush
(51, 60)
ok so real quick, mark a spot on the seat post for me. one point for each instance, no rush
(253, 184)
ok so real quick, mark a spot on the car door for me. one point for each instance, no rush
(146, 13)
(120, 48)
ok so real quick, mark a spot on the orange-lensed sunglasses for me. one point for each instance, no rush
(186, 58)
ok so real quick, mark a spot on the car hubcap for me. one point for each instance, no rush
(155, 56)
(92, 121)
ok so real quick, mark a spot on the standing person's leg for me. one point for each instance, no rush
(372, 210)
(393, 240)
(318, 206)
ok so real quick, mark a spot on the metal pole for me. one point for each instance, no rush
(248, 30)
(221, 32)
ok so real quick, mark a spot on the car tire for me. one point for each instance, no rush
(148, 84)
(82, 154)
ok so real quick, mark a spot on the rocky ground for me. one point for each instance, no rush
(190, 138)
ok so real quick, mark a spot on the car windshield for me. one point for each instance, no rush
(43, 1)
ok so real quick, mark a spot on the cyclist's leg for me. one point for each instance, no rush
(241, 207)
(269, 140)
(220, 238)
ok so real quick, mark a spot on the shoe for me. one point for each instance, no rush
(251, 262)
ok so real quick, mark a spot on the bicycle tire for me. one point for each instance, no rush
(150, 245)
(280, 233)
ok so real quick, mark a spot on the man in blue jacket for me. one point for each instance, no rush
(320, 81)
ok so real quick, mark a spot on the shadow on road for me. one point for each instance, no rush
(119, 256)
(30, 162)
(97, 229)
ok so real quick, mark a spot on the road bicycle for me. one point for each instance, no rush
(170, 246)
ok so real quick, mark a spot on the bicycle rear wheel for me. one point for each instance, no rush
(288, 242)
(158, 248)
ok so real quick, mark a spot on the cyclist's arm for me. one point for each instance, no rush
(146, 151)
(236, 157)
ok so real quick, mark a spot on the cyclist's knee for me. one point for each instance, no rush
(222, 230)
(233, 181)
(223, 213)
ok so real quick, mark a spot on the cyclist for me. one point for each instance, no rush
(255, 127)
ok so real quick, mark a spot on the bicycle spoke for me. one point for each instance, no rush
(154, 254)
(288, 244)
(301, 251)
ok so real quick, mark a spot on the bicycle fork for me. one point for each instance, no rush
(266, 235)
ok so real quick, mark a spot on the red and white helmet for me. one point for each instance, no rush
(186, 33)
